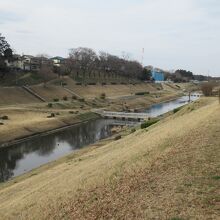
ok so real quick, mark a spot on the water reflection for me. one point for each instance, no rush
(159, 109)
(26, 156)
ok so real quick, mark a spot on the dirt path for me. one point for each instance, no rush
(170, 171)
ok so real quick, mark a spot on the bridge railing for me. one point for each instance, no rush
(122, 114)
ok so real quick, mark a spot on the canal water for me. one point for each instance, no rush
(24, 157)
(161, 108)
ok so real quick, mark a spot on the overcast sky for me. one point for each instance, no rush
(175, 33)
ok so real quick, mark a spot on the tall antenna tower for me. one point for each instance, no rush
(142, 56)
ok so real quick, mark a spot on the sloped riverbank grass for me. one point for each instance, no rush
(169, 172)
(147, 124)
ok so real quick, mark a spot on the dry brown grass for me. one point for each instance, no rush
(26, 120)
(142, 102)
(15, 95)
(50, 92)
(164, 173)
(113, 91)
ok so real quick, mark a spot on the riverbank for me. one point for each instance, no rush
(26, 121)
(37, 151)
(49, 127)
(172, 164)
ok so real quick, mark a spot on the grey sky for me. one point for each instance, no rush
(175, 33)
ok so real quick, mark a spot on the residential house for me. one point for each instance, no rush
(15, 62)
(31, 63)
(28, 62)
(58, 61)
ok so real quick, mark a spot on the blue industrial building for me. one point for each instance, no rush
(157, 76)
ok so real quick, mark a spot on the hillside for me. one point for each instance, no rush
(169, 171)
(17, 95)
(29, 115)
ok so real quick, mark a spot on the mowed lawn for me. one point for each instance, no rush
(169, 171)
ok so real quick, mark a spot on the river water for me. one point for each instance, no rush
(161, 108)
(24, 157)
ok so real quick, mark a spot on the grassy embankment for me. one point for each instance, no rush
(169, 171)
(26, 121)
(27, 116)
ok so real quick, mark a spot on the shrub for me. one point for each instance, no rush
(52, 115)
(71, 112)
(50, 105)
(1, 123)
(56, 100)
(78, 84)
(176, 110)
(65, 98)
(133, 130)
(5, 117)
(142, 93)
(74, 97)
(147, 124)
(103, 84)
(81, 99)
(113, 83)
(57, 113)
(103, 96)
(207, 88)
(118, 137)
(92, 83)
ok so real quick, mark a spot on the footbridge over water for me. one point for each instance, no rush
(122, 115)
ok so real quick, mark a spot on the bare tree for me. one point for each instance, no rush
(83, 59)
(207, 88)
(87, 62)
(46, 73)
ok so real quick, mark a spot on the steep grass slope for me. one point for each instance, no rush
(169, 171)
(15, 95)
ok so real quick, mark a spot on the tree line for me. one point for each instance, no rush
(85, 62)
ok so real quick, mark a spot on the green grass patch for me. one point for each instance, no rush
(216, 177)
(176, 110)
(56, 100)
(147, 124)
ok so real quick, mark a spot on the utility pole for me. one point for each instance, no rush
(219, 95)
(142, 57)
(16, 77)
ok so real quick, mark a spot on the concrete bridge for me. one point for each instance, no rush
(122, 115)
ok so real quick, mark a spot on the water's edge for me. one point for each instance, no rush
(39, 149)
(94, 116)
(55, 130)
